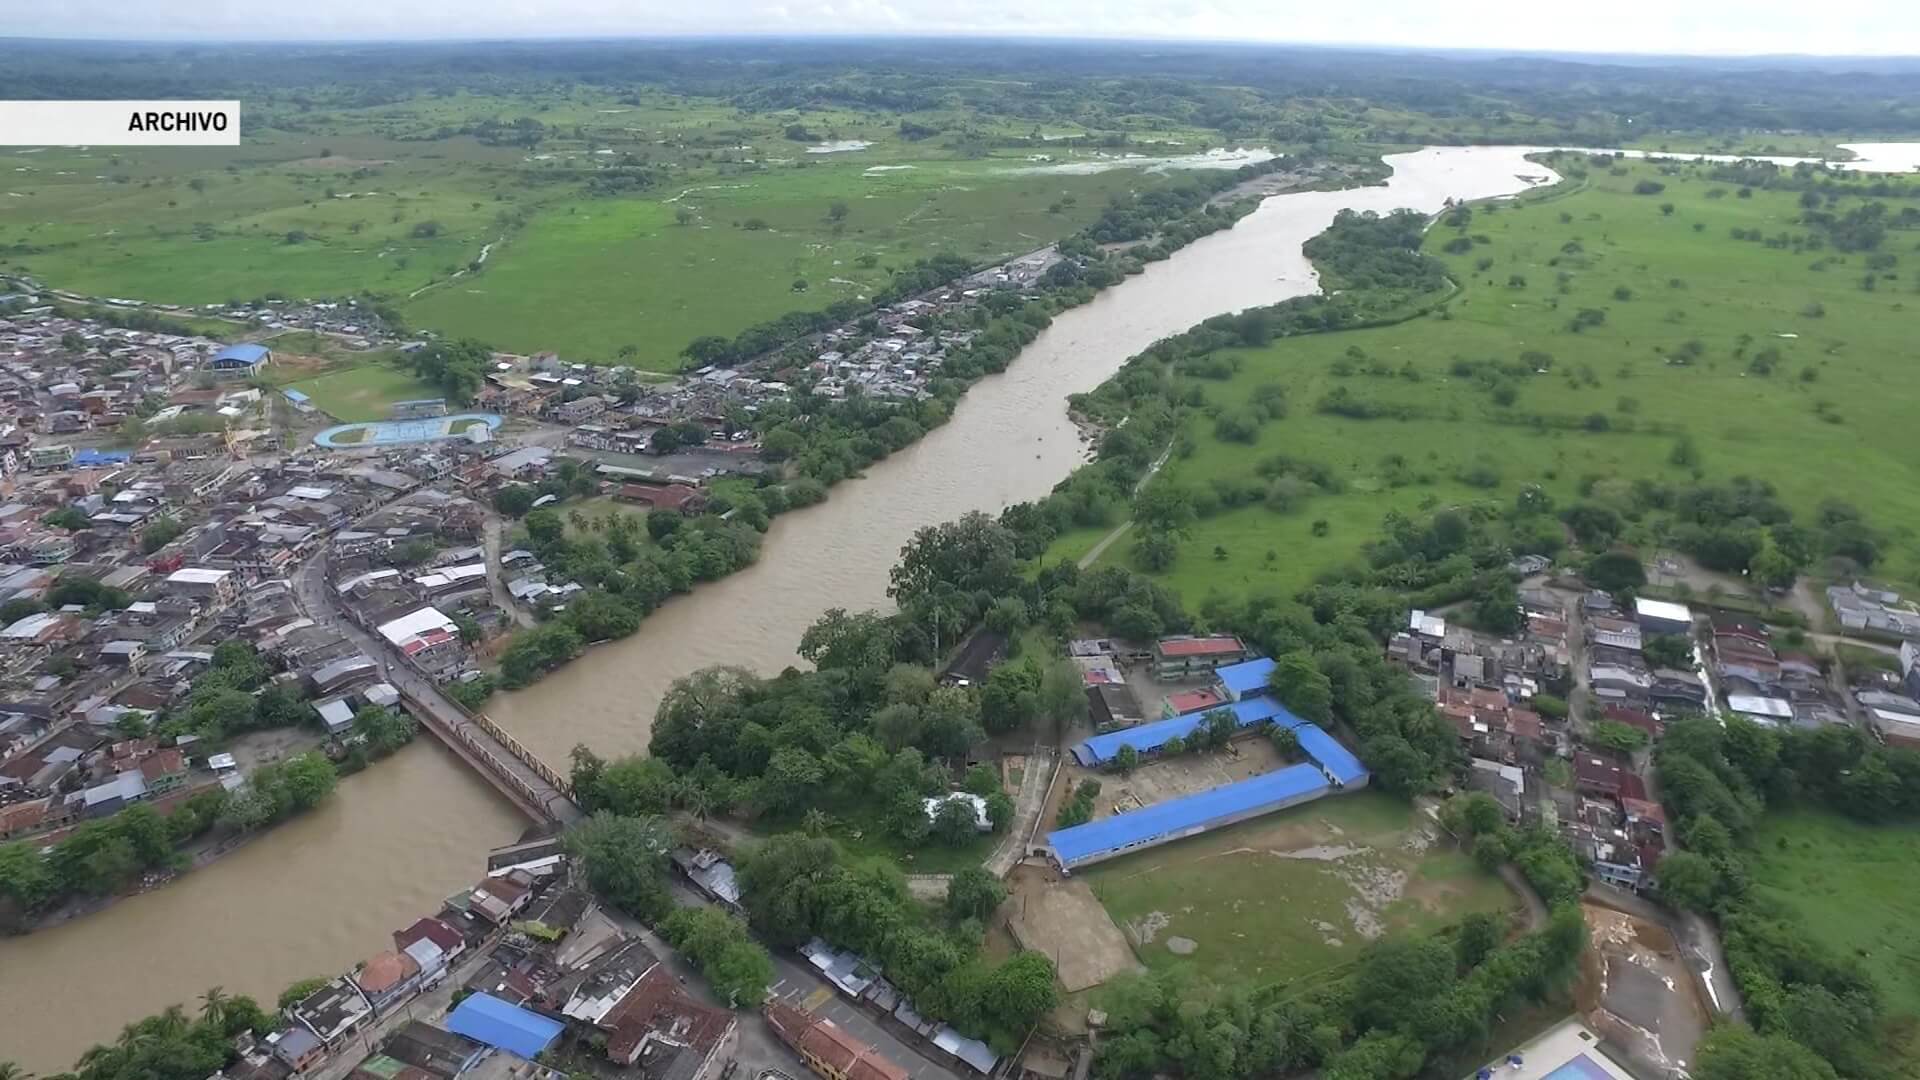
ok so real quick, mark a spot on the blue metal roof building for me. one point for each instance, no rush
(1148, 738)
(1190, 815)
(1248, 678)
(1341, 766)
(93, 459)
(245, 358)
(487, 1019)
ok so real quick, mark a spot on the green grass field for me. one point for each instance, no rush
(1856, 888)
(589, 277)
(1292, 893)
(1828, 421)
(366, 392)
(342, 201)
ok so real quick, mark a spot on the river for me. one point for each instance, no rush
(322, 892)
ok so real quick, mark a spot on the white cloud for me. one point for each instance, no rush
(1723, 27)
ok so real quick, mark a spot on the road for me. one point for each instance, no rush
(796, 983)
(1699, 938)
(496, 574)
(317, 597)
(1120, 530)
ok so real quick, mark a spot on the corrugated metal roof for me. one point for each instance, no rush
(1336, 759)
(1149, 737)
(1176, 817)
(1246, 677)
(487, 1019)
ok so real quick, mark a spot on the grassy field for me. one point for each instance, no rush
(1837, 390)
(1293, 893)
(1856, 888)
(589, 277)
(383, 200)
(366, 392)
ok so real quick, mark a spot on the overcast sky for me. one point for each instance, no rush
(1717, 27)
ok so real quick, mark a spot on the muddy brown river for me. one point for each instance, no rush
(324, 891)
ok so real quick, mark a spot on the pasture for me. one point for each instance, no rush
(1855, 887)
(1293, 893)
(1788, 367)
(617, 229)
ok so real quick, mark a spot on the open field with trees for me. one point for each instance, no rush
(1855, 888)
(614, 201)
(1649, 329)
(1288, 896)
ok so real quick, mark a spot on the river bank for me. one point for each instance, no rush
(351, 871)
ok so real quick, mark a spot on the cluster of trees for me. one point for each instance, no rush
(736, 966)
(860, 741)
(797, 887)
(629, 570)
(69, 589)
(233, 696)
(1539, 852)
(280, 789)
(1077, 809)
(1740, 526)
(1405, 1000)
(1807, 1001)
(99, 858)
(170, 1045)
(459, 368)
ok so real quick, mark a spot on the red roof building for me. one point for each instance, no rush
(656, 1017)
(827, 1048)
(446, 937)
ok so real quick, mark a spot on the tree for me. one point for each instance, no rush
(624, 859)
(383, 729)
(1126, 759)
(972, 893)
(1689, 881)
(790, 781)
(1011, 698)
(1497, 608)
(1668, 651)
(1301, 687)
(1615, 571)
(974, 554)
(1736, 1052)
(737, 967)
(514, 500)
(956, 822)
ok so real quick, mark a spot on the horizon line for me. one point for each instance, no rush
(938, 36)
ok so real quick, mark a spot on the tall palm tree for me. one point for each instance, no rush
(213, 1006)
(816, 822)
(10, 1071)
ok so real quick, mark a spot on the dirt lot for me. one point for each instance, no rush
(257, 748)
(1168, 778)
(1636, 989)
(1062, 918)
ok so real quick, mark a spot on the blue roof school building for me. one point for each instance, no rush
(1331, 768)
(240, 361)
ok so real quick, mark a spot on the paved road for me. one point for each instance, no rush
(798, 985)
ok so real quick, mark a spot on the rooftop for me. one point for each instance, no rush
(1187, 814)
(486, 1019)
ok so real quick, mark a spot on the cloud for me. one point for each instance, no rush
(1720, 27)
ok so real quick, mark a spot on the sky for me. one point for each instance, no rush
(1701, 27)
